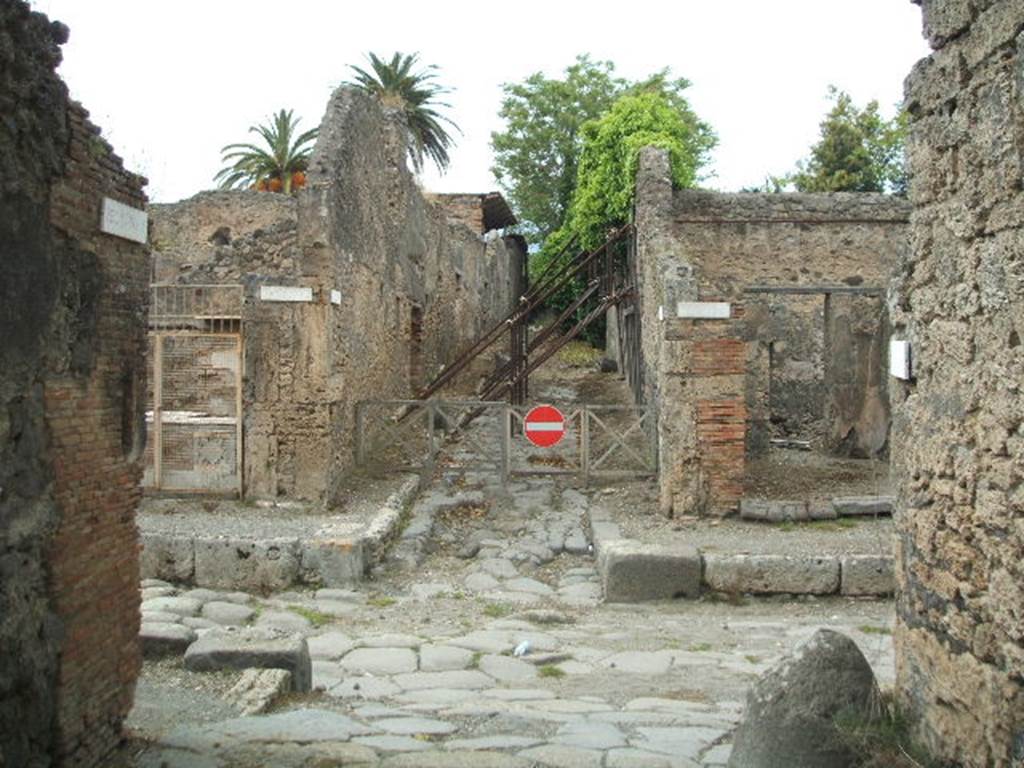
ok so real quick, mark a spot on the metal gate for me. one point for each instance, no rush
(601, 441)
(195, 384)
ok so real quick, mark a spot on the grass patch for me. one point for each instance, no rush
(497, 610)
(752, 658)
(882, 739)
(474, 663)
(550, 670)
(381, 601)
(313, 616)
(579, 354)
(256, 611)
(869, 629)
(839, 524)
(699, 647)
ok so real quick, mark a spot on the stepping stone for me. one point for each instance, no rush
(165, 639)
(558, 756)
(182, 606)
(250, 648)
(507, 669)
(500, 741)
(468, 679)
(227, 614)
(392, 743)
(329, 645)
(160, 617)
(481, 582)
(365, 687)
(442, 658)
(677, 742)
(285, 621)
(589, 735)
(576, 542)
(300, 725)
(637, 758)
(531, 586)
(640, 662)
(380, 661)
(633, 572)
(389, 641)
(410, 726)
(499, 568)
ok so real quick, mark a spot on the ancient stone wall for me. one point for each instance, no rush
(768, 367)
(958, 429)
(399, 283)
(71, 376)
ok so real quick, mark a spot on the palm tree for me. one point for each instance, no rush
(272, 166)
(396, 84)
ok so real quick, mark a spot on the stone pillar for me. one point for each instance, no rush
(958, 425)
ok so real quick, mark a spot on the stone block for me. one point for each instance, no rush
(258, 689)
(332, 562)
(252, 649)
(252, 566)
(773, 511)
(867, 575)
(772, 574)
(165, 639)
(632, 572)
(166, 557)
(851, 506)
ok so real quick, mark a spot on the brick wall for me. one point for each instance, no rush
(94, 421)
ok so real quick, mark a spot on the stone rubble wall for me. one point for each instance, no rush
(72, 378)
(416, 287)
(958, 429)
(712, 381)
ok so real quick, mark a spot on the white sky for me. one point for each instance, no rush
(171, 83)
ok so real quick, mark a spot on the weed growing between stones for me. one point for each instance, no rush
(313, 616)
(699, 647)
(496, 610)
(550, 670)
(882, 738)
(732, 598)
(869, 629)
(381, 601)
(474, 663)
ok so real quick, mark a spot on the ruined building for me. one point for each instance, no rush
(763, 316)
(73, 281)
(958, 432)
(273, 315)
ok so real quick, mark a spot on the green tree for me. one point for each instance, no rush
(858, 151)
(284, 154)
(651, 115)
(400, 85)
(537, 152)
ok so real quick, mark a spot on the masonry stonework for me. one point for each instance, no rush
(401, 283)
(72, 377)
(958, 431)
(776, 366)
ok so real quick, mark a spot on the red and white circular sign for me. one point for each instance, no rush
(544, 426)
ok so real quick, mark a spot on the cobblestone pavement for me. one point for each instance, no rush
(482, 641)
(419, 666)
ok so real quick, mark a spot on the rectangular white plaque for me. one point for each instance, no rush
(335, 297)
(124, 221)
(899, 359)
(704, 310)
(285, 293)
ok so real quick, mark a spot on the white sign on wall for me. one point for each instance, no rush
(335, 297)
(899, 359)
(285, 293)
(124, 221)
(704, 310)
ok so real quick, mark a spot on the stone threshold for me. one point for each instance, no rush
(790, 510)
(339, 553)
(632, 571)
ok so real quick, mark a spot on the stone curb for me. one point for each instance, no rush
(339, 553)
(794, 510)
(633, 572)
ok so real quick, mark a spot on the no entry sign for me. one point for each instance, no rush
(544, 426)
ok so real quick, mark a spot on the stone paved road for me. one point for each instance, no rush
(418, 668)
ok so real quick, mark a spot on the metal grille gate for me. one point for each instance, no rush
(194, 424)
(601, 441)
